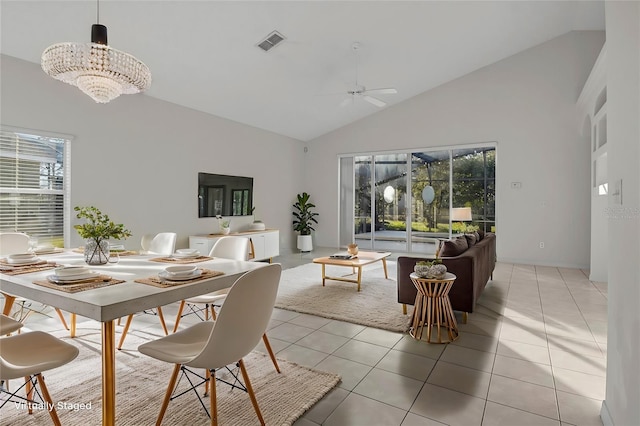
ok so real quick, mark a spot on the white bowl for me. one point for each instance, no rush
(21, 256)
(187, 251)
(180, 270)
(68, 271)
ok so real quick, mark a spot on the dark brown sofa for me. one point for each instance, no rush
(473, 267)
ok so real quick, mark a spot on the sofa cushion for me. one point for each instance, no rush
(471, 239)
(454, 247)
(480, 234)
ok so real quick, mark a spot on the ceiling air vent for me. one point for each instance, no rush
(271, 41)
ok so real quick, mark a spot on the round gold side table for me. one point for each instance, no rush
(432, 308)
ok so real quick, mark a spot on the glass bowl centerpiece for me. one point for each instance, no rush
(97, 231)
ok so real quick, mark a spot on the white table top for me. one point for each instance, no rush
(115, 301)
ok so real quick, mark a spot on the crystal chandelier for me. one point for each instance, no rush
(95, 68)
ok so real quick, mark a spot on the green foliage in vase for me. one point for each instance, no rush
(98, 227)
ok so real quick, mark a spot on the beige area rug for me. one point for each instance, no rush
(141, 383)
(376, 305)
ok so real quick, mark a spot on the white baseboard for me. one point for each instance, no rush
(605, 416)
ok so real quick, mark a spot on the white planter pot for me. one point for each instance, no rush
(304, 243)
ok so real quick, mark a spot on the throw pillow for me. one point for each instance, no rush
(454, 247)
(480, 235)
(471, 239)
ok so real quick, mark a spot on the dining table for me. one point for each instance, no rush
(108, 303)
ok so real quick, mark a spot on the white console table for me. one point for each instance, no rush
(266, 244)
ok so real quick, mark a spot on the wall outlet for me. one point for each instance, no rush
(541, 244)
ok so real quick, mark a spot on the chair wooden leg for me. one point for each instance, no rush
(207, 375)
(167, 395)
(164, 326)
(213, 403)
(267, 345)
(62, 320)
(47, 398)
(404, 309)
(206, 312)
(180, 309)
(119, 319)
(213, 313)
(252, 395)
(124, 332)
(29, 390)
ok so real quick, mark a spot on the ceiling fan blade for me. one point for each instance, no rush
(381, 91)
(375, 101)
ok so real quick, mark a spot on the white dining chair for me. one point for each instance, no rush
(27, 356)
(8, 325)
(213, 345)
(18, 242)
(163, 244)
(13, 242)
(233, 248)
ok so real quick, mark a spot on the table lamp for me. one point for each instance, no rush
(461, 214)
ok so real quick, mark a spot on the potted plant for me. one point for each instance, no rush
(304, 220)
(97, 231)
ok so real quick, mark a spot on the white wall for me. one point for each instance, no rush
(621, 405)
(137, 158)
(526, 103)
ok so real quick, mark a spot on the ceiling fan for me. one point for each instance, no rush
(360, 91)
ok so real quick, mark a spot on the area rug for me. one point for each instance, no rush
(141, 383)
(376, 305)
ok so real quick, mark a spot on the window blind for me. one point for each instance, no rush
(33, 184)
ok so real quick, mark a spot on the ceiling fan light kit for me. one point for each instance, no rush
(98, 70)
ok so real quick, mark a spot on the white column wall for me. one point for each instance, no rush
(622, 401)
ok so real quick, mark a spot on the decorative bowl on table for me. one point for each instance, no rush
(437, 271)
(421, 270)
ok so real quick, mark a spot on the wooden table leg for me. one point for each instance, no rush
(359, 276)
(73, 320)
(384, 265)
(8, 303)
(323, 275)
(108, 374)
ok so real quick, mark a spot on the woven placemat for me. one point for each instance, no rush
(102, 281)
(9, 269)
(159, 282)
(181, 261)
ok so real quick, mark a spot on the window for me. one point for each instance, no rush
(401, 201)
(34, 171)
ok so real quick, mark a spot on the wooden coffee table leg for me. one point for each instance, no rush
(323, 275)
(359, 276)
(384, 265)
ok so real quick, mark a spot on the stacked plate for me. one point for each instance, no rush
(180, 273)
(71, 274)
(186, 253)
(23, 259)
(44, 249)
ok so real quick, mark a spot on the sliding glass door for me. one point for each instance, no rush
(430, 178)
(407, 201)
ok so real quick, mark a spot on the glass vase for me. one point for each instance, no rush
(96, 253)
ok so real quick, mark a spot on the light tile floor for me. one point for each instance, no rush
(533, 353)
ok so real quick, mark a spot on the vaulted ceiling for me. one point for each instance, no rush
(203, 54)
